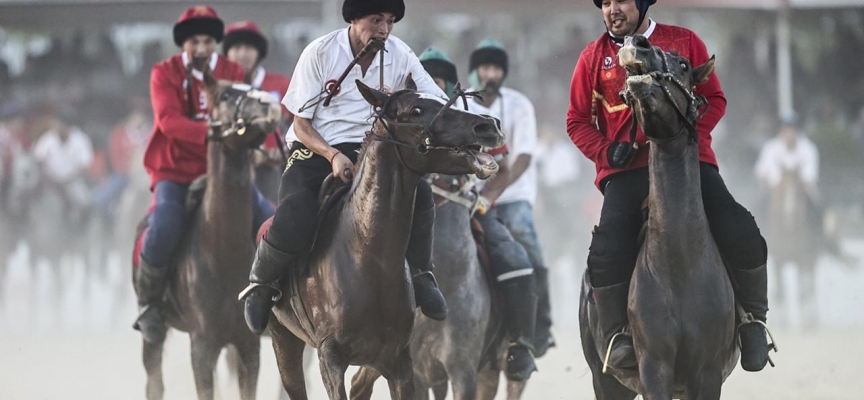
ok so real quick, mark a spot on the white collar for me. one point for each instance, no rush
(342, 39)
(196, 73)
(647, 34)
(259, 77)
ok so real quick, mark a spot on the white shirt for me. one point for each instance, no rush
(520, 132)
(348, 116)
(64, 160)
(776, 157)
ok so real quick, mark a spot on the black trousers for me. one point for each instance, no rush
(294, 223)
(508, 258)
(613, 252)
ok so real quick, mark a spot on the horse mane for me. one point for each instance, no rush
(364, 145)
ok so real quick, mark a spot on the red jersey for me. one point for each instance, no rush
(177, 150)
(597, 117)
(277, 85)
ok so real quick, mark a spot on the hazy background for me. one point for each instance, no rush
(65, 315)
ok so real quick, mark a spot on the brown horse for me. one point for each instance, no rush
(212, 260)
(356, 304)
(681, 305)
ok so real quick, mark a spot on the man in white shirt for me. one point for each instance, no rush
(488, 68)
(326, 139)
(789, 151)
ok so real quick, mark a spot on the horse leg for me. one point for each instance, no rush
(152, 354)
(706, 386)
(400, 377)
(249, 351)
(333, 366)
(204, 357)
(487, 382)
(515, 389)
(289, 359)
(806, 295)
(656, 377)
(362, 383)
(439, 391)
(463, 380)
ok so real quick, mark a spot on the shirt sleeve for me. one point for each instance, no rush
(168, 111)
(85, 151)
(40, 150)
(710, 89)
(306, 86)
(810, 163)
(581, 126)
(524, 129)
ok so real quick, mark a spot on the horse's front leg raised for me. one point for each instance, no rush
(400, 377)
(204, 357)
(152, 354)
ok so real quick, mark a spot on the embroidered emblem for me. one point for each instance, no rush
(299, 154)
(330, 86)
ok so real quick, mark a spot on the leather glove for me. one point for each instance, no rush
(620, 154)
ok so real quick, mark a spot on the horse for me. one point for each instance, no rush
(355, 301)
(212, 260)
(681, 305)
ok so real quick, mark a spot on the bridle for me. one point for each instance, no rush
(697, 106)
(219, 130)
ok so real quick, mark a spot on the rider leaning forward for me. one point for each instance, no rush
(327, 141)
(598, 122)
(177, 152)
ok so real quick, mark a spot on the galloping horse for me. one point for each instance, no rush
(681, 306)
(356, 304)
(212, 260)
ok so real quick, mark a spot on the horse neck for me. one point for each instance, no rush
(676, 212)
(382, 204)
(227, 204)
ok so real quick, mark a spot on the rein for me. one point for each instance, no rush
(238, 125)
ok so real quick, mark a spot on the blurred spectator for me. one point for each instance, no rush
(789, 151)
(11, 143)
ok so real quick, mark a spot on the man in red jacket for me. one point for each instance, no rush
(598, 122)
(177, 152)
(246, 45)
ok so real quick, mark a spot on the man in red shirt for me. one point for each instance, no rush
(177, 152)
(246, 45)
(598, 122)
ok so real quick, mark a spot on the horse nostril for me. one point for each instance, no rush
(485, 130)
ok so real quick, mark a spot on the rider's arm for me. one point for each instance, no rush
(524, 139)
(168, 111)
(498, 182)
(710, 89)
(310, 137)
(581, 126)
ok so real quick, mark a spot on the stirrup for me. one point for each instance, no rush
(748, 318)
(431, 275)
(252, 285)
(624, 331)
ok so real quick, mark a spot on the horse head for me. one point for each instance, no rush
(241, 116)
(431, 136)
(660, 88)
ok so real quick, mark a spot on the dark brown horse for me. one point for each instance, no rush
(212, 261)
(358, 294)
(681, 305)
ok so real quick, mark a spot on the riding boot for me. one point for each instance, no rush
(752, 294)
(263, 292)
(520, 309)
(419, 255)
(611, 304)
(150, 286)
(543, 339)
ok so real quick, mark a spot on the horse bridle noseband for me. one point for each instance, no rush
(239, 124)
(697, 106)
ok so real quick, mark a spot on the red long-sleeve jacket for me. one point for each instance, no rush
(177, 150)
(597, 117)
(278, 86)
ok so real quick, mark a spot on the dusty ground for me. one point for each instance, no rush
(79, 345)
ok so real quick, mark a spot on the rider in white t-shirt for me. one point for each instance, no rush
(789, 151)
(326, 139)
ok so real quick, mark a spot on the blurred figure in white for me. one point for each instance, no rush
(789, 151)
(65, 153)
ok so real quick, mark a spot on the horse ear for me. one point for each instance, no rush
(409, 83)
(701, 73)
(372, 96)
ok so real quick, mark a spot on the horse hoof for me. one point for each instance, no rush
(257, 311)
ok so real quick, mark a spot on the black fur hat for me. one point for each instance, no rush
(353, 9)
(245, 32)
(489, 51)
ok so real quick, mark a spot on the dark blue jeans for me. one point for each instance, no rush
(519, 219)
(167, 220)
(508, 258)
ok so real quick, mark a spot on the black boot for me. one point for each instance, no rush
(263, 292)
(543, 339)
(520, 315)
(611, 304)
(752, 293)
(419, 255)
(150, 286)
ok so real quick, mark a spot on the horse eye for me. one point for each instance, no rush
(684, 66)
(416, 112)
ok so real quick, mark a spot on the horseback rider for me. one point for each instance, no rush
(598, 122)
(789, 151)
(246, 45)
(177, 152)
(510, 263)
(327, 139)
(488, 69)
